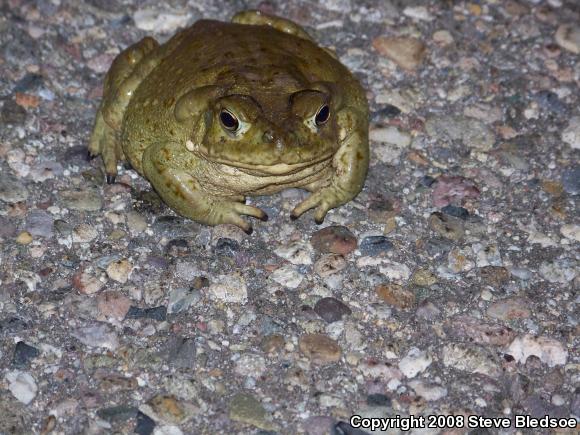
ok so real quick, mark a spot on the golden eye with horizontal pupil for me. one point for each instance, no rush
(229, 121)
(322, 115)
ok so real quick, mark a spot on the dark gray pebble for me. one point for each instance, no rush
(453, 210)
(331, 309)
(378, 400)
(23, 354)
(145, 425)
(118, 413)
(180, 352)
(155, 313)
(571, 180)
(375, 245)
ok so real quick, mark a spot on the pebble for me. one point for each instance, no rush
(331, 309)
(319, 349)
(495, 276)
(24, 238)
(246, 409)
(391, 135)
(22, 385)
(187, 271)
(447, 226)
(153, 20)
(487, 255)
(101, 62)
(334, 240)
(155, 313)
(86, 283)
(24, 354)
(470, 358)
(424, 278)
(571, 231)
(570, 181)
(397, 272)
(385, 371)
(250, 365)
(329, 264)
(119, 270)
(145, 424)
(509, 309)
(118, 413)
(229, 288)
(112, 304)
(407, 52)
(97, 335)
(469, 329)
(181, 298)
(46, 170)
(12, 190)
(458, 260)
(136, 223)
(415, 362)
(287, 276)
(458, 212)
(378, 399)
(571, 134)
(39, 223)
(319, 424)
(82, 200)
(395, 295)
(84, 233)
(15, 159)
(549, 351)
(558, 271)
(472, 132)
(443, 38)
(272, 343)
(418, 12)
(296, 253)
(167, 430)
(483, 112)
(568, 37)
(427, 310)
(427, 391)
(180, 352)
(375, 245)
(168, 409)
(450, 189)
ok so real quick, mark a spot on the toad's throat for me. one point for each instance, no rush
(268, 170)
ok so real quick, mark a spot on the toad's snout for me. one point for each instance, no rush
(281, 139)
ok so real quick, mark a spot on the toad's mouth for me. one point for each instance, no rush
(269, 170)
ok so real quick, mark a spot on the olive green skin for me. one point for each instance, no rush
(161, 111)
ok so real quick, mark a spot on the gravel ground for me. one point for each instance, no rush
(449, 286)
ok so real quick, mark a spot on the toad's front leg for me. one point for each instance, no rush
(350, 164)
(171, 177)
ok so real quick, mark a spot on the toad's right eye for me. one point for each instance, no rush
(229, 121)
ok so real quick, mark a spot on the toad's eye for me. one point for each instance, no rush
(229, 121)
(322, 115)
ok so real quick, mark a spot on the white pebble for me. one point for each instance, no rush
(22, 386)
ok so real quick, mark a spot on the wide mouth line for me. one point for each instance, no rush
(284, 168)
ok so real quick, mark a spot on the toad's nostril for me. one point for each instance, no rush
(268, 136)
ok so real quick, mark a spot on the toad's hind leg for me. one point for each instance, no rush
(105, 136)
(255, 17)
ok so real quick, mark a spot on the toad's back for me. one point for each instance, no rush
(250, 60)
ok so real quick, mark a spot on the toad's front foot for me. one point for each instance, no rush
(231, 212)
(322, 201)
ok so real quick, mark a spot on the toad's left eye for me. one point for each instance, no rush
(229, 121)
(322, 115)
